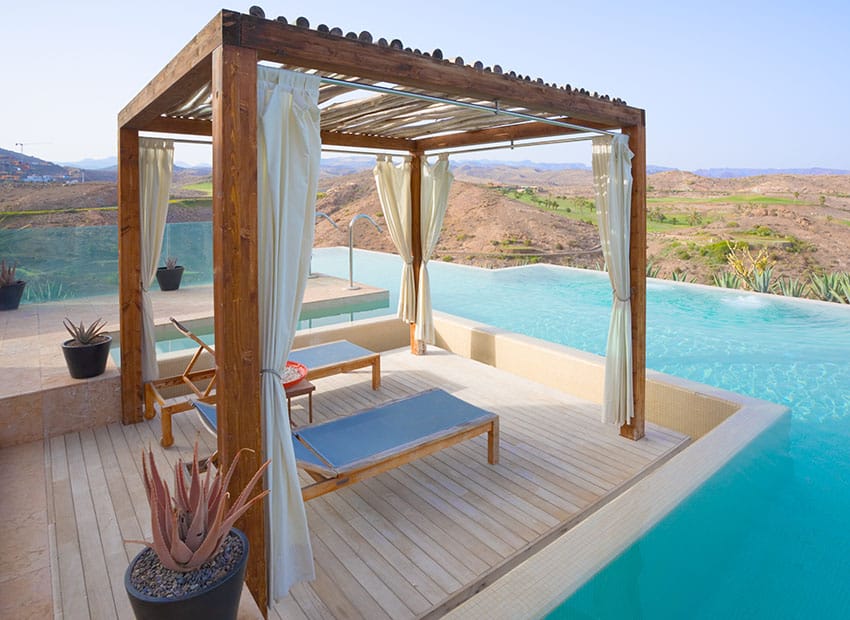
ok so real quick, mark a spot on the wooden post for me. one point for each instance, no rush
(417, 347)
(637, 272)
(130, 275)
(237, 341)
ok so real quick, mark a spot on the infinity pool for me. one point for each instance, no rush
(764, 538)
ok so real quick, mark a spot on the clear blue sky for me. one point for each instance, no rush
(739, 84)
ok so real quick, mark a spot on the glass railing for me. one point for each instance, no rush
(67, 263)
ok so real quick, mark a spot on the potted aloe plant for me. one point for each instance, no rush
(11, 289)
(87, 350)
(169, 276)
(195, 565)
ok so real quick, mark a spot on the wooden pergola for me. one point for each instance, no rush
(209, 89)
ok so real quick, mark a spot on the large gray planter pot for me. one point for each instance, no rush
(10, 295)
(218, 600)
(86, 360)
(169, 279)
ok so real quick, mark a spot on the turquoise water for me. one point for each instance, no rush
(764, 538)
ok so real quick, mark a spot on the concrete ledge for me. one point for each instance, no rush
(80, 404)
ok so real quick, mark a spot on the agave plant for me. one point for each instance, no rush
(726, 279)
(171, 262)
(790, 287)
(824, 286)
(85, 335)
(681, 276)
(760, 280)
(652, 270)
(7, 274)
(189, 527)
(841, 291)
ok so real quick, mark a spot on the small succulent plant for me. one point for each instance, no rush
(7, 274)
(171, 262)
(189, 527)
(85, 335)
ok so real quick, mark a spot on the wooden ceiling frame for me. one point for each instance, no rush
(224, 55)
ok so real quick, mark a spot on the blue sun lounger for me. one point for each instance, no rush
(331, 358)
(352, 448)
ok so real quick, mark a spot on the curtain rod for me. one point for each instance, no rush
(179, 140)
(324, 149)
(464, 104)
(511, 146)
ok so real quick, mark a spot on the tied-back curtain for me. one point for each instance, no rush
(288, 158)
(436, 181)
(612, 176)
(155, 169)
(393, 183)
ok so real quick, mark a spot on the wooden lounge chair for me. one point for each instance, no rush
(321, 360)
(352, 448)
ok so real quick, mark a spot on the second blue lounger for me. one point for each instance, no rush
(335, 357)
(351, 448)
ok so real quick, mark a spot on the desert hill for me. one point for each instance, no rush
(481, 226)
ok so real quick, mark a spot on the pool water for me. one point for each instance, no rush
(764, 538)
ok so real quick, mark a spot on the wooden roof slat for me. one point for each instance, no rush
(522, 131)
(348, 110)
(331, 138)
(187, 126)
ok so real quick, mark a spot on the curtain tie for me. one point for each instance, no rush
(623, 299)
(271, 371)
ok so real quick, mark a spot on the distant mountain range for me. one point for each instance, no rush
(734, 173)
(16, 166)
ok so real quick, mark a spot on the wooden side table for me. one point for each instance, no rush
(300, 389)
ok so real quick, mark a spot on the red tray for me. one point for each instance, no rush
(293, 373)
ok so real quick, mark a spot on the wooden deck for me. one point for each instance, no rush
(409, 543)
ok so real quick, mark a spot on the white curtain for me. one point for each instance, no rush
(155, 169)
(436, 181)
(289, 153)
(612, 175)
(393, 184)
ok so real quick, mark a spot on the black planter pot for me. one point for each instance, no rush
(10, 295)
(88, 360)
(219, 600)
(169, 279)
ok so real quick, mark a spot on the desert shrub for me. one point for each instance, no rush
(716, 252)
(761, 231)
(656, 215)
(755, 272)
(695, 218)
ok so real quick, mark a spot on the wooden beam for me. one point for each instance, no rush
(330, 138)
(416, 347)
(235, 286)
(188, 126)
(637, 272)
(188, 71)
(300, 47)
(130, 276)
(521, 131)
